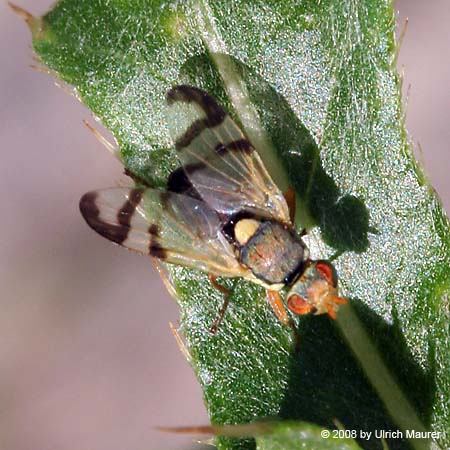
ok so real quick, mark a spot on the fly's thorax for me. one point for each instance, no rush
(315, 291)
(270, 249)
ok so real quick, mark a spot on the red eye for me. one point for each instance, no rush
(326, 271)
(299, 305)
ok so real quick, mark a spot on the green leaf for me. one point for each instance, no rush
(319, 78)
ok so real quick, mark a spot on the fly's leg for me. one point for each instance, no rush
(226, 292)
(277, 304)
(289, 196)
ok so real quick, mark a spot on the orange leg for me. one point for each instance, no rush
(226, 292)
(277, 304)
(289, 196)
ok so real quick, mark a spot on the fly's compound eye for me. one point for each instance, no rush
(299, 305)
(326, 270)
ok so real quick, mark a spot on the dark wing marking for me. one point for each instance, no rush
(223, 167)
(170, 226)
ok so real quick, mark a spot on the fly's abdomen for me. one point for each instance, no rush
(275, 254)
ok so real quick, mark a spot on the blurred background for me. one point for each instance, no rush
(87, 360)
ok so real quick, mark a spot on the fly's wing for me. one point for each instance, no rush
(218, 160)
(169, 226)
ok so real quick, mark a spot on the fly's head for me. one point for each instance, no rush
(315, 291)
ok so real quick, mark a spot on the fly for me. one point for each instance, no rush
(221, 214)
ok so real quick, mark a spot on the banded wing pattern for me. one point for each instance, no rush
(219, 161)
(167, 225)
